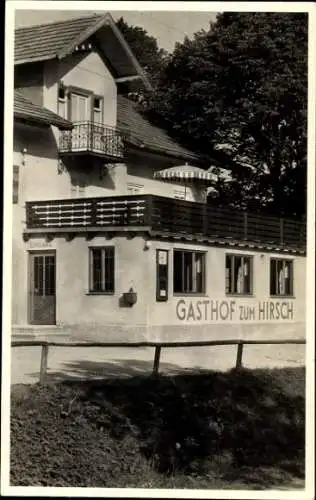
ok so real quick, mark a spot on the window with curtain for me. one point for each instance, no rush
(281, 277)
(239, 274)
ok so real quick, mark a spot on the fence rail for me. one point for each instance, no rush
(157, 345)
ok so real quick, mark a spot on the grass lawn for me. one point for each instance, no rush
(207, 430)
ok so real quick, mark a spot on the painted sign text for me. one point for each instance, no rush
(229, 310)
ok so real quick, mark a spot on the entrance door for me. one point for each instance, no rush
(43, 288)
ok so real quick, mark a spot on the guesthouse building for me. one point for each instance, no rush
(112, 236)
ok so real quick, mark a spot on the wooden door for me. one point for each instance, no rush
(42, 288)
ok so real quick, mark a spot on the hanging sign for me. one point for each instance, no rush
(162, 275)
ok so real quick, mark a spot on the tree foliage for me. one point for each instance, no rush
(238, 93)
(145, 48)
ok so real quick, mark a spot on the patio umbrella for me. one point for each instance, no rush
(187, 175)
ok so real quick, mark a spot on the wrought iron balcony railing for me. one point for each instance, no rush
(165, 216)
(92, 138)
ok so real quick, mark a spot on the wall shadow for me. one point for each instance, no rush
(88, 171)
(116, 369)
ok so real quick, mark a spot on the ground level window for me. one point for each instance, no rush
(102, 270)
(188, 272)
(281, 277)
(238, 274)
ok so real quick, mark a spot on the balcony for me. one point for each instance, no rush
(93, 139)
(166, 217)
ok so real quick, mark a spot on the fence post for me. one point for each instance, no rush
(43, 369)
(239, 356)
(156, 360)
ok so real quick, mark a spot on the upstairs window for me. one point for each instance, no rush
(62, 101)
(97, 110)
(61, 93)
(239, 274)
(188, 272)
(281, 277)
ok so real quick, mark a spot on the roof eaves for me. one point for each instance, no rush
(93, 28)
(31, 119)
(163, 151)
(124, 44)
(33, 59)
(56, 121)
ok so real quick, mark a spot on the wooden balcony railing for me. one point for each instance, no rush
(92, 138)
(165, 216)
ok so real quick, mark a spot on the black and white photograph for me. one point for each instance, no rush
(159, 225)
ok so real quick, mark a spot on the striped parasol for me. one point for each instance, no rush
(186, 174)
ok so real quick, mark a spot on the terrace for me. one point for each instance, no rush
(164, 217)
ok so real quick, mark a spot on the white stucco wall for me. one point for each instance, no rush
(84, 71)
(213, 315)
(41, 180)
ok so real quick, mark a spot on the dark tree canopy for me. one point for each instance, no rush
(145, 48)
(238, 93)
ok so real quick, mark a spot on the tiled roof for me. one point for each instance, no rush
(58, 39)
(142, 134)
(45, 41)
(26, 110)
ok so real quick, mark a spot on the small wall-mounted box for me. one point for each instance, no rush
(130, 297)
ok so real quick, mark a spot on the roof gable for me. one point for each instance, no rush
(59, 39)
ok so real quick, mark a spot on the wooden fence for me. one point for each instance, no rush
(157, 345)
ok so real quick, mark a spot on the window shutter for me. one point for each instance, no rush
(16, 173)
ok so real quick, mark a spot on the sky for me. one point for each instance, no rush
(167, 27)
